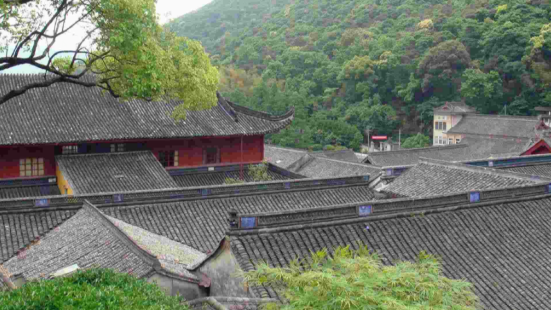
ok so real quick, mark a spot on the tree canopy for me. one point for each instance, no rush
(121, 43)
(390, 61)
(417, 141)
(357, 279)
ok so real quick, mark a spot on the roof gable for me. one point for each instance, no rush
(538, 148)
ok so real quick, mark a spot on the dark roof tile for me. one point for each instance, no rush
(499, 248)
(29, 191)
(201, 223)
(497, 125)
(114, 172)
(17, 230)
(439, 178)
(72, 113)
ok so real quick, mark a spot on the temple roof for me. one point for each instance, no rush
(114, 172)
(470, 148)
(201, 223)
(7, 192)
(500, 245)
(90, 239)
(322, 164)
(535, 169)
(196, 217)
(432, 178)
(65, 113)
(321, 167)
(496, 125)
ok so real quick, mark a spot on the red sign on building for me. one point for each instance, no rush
(379, 137)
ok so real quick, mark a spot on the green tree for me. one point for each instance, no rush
(90, 290)
(417, 141)
(357, 279)
(482, 90)
(130, 54)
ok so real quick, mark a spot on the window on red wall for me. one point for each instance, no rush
(29, 167)
(211, 155)
(168, 158)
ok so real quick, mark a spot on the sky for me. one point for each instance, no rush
(166, 9)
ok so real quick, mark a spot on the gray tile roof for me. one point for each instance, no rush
(201, 223)
(430, 178)
(501, 248)
(409, 156)
(470, 148)
(282, 157)
(91, 239)
(485, 125)
(82, 240)
(114, 172)
(29, 191)
(543, 170)
(19, 228)
(320, 167)
(72, 113)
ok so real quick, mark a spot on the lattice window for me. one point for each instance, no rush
(69, 149)
(168, 158)
(119, 147)
(29, 167)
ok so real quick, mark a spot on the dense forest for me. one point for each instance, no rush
(349, 66)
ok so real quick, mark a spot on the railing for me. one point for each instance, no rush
(170, 194)
(383, 207)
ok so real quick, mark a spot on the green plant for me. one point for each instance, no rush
(416, 141)
(357, 279)
(90, 290)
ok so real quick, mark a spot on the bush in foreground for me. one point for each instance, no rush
(95, 289)
(356, 279)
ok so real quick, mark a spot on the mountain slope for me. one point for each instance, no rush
(354, 65)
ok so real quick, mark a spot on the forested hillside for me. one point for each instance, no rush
(354, 65)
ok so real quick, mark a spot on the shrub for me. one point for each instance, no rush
(90, 289)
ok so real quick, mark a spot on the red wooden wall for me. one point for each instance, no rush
(9, 159)
(190, 152)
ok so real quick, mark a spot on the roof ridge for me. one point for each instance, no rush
(145, 255)
(131, 244)
(341, 221)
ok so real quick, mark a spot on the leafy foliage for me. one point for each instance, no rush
(91, 289)
(357, 279)
(417, 141)
(130, 54)
(376, 65)
(258, 173)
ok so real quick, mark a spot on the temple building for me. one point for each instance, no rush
(43, 129)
